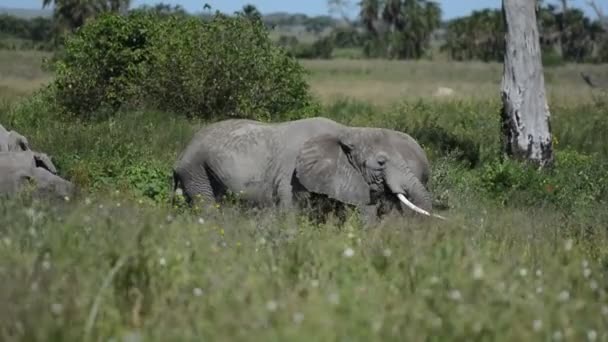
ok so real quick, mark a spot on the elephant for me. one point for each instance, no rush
(20, 168)
(12, 141)
(284, 164)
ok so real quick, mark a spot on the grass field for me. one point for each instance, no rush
(523, 256)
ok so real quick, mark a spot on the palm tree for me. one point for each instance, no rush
(251, 12)
(369, 14)
(71, 14)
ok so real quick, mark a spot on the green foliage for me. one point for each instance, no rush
(569, 37)
(35, 33)
(103, 65)
(520, 248)
(479, 36)
(577, 181)
(410, 25)
(111, 269)
(319, 49)
(225, 67)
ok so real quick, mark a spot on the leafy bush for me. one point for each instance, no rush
(577, 180)
(320, 49)
(223, 67)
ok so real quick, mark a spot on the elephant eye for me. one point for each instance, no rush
(381, 159)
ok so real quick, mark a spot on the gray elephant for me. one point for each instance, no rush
(22, 168)
(285, 164)
(12, 141)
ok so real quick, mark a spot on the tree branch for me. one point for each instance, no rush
(600, 14)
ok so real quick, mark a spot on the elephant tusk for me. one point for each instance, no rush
(412, 206)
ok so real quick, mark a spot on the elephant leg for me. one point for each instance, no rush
(369, 215)
(197, 188)
(286, 203)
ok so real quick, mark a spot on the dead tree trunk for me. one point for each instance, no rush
(525, 113)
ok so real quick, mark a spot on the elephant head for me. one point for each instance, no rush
(367, 166)
(23, 168)
(17, 142)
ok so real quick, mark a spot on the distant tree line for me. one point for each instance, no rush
(394, 29)
(565, 33)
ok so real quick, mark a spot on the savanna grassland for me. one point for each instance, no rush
(522, 256)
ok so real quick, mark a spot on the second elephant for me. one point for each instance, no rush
(281, 164)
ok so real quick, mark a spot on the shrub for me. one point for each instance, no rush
(223, 67)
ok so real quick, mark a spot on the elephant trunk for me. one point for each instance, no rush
(410, 191)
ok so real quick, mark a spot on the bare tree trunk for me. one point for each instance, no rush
(525, 113)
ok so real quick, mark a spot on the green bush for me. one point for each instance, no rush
(577, 180)
(223, 67)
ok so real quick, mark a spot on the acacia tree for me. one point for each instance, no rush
(525, 113)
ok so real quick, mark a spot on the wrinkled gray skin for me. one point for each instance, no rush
(281, 164)
(19, 169)
(11, 141)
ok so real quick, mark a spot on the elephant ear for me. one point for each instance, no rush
(323, 167)
(44, 161)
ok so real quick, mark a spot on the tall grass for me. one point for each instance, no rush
(522, 256)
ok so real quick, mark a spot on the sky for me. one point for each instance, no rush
(451, 8)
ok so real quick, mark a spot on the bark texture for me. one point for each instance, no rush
(525, 113)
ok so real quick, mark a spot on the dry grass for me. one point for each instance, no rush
(21, 73)
(379, 82)
(385, 82)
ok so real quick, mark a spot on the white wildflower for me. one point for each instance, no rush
(539, 273)
(87, 201)
(201, 220)
(334, 298)
(537, 325)
(387, 252)
(523, 272)
(585, 264)
(593, 285)
(568, 244)
(162, 262)
(557, 336)
(477, 272)
(272, 306)
(298, 317)
(586, 272)
(314, 283)
(455, 295)
(349, 252)
(56, 308)
(351, 235)
(591, 335)
(539, 290)
(434, 280)
(563, 296)
(197, 292)
(46, 264)
(605, 310)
